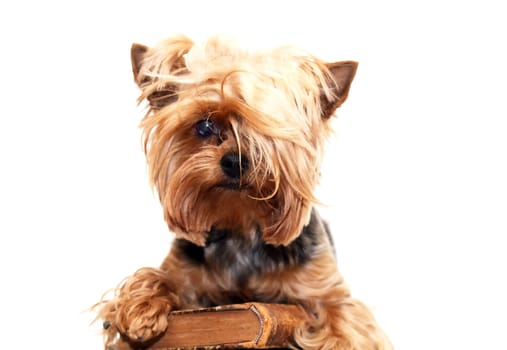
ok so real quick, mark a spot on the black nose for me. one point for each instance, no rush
(232, 166)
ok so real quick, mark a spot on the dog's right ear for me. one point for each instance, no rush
(157, 97)
(137, 53)
(154, 69)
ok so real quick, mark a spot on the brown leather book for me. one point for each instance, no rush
(249, 325)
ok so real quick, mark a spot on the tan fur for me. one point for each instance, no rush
(271, 108)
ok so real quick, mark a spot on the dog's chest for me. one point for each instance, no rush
(239, 258)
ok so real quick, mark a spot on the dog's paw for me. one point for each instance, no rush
(140, 308)
(145, 320)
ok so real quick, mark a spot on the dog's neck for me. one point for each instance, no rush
(217, 235)
(223, 247)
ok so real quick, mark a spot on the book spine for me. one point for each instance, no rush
(278, 323)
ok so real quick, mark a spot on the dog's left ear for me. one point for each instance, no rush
(342, 73)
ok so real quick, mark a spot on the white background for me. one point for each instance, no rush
(414, 181)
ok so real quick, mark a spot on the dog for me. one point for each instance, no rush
(234, 142)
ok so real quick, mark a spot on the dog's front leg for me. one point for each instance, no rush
(344, 324)
(336, 320)
(140, 306)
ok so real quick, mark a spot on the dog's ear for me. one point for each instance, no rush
(158, 98)
(153, 67)
(342, 74)
(137, 53)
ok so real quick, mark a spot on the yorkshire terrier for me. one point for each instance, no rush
(234, 142)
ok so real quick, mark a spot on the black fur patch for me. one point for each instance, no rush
(189, 251)
(244, 257)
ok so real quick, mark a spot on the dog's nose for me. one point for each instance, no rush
(233, 166)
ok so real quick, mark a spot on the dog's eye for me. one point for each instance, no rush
(205, 128)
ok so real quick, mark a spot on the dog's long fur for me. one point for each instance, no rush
(234, 142)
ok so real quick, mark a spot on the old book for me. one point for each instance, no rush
(249, 325)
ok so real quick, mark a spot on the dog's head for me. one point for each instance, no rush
(233, 138)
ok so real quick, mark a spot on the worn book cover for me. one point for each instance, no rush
(249, 325)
